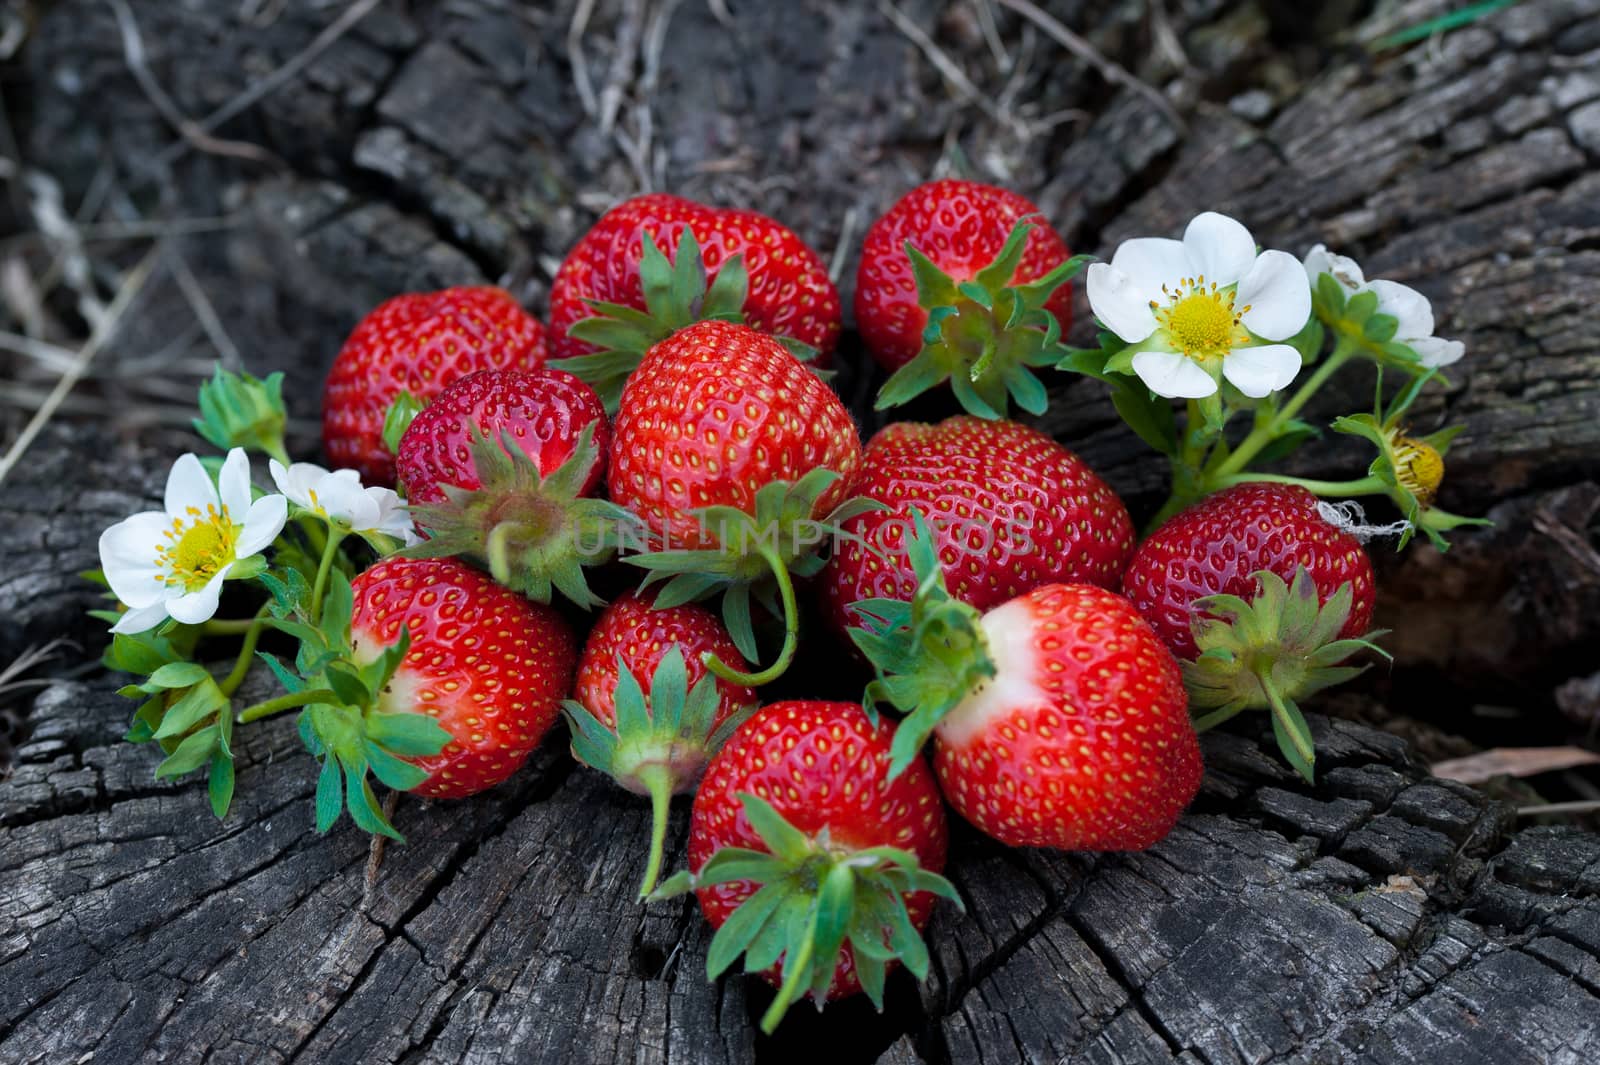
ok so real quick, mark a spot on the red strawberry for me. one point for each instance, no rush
(487, 664)
(498, 469)
(1011, 509)
(780, 286)
(1060, 717)
(942, 244)
(1263, 598)
(417, 343)
(792, 830)
(647, 711)
(1218, 545)
(721, 416)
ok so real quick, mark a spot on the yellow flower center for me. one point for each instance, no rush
(198, 544)
(1418, 466)
(1200, 321)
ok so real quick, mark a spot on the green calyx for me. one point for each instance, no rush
(238, 410)
(1409, 469)
(754, 555)
(532, 532)
(398, 418)
(1267, 653)
(814, 898)
(984, 335)
(676, 295)
(928, 654)
(661, 741)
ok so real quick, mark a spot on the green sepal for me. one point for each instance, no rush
(398, 418)
(533, 532)
(811, 900)
(983, 334)
(762, 550)
(1270, 651)
(660, 741)
(927, 656)
(675, 295)
(238, 410)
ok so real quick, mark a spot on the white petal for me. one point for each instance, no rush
(189, 485)
(362, 512)
(1345, 270)
(1260, 371)
(1436, 352)
(1173, 376)
(128, 558)
(233, 483)
(197, 607)
(1150, 262)
(1220, 249)
(1410, 307)
(262, 524)
(142, 618)
(1121, 306)
(1275, 290)
(393, 517)
(296, 481)
(339, 495)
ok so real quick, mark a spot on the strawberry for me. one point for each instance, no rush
(487, 664)
(646, 710)
(733, 456)
(966, 283)
(809, 860)
(415, 345)
(498, 469)
(1060, 717)
(1011, 509)
(617, 292)
(1310, 592)
(1218, 545)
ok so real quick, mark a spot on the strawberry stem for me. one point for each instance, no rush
(1260, 437)
(287, 702)
(247, 652)
(1365, 486)
(658, 779)
(791, 632)
(320, 587)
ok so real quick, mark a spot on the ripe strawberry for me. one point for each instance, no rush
(1218, 545)
(809, 859)
(498, 468)
(679, 262)
(1011, 509)
(417, 344)
(487, 664)
(1263, 598)
(983, 266)
(733, 455)
(646, 711)
(1060, 717)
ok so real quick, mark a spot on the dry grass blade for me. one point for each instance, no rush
(1579, 806)
(11, 679)
(104, 329)
(1512, 762)
(947, 67)
(1109, 69)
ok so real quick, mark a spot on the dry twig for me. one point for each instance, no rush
(947, 67)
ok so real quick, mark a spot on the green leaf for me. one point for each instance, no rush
(238, 410)
(198, 703)
(1148, 416)
(782, 839)
(347, 686)
(401, 776)
(409, 735)
(1360, 307)
(398, 418)
(191, 754)
(220, 785)
(177, 675)
(742, 926)
(330, 795)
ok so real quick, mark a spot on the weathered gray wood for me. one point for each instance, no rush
(1381, 916)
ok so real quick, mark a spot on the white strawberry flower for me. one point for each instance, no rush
(172, 562)
(1405, 304)
(1203, 308)
(338, 498)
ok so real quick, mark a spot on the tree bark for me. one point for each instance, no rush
(1379, 916)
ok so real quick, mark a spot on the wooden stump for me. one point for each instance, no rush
(1380, 916)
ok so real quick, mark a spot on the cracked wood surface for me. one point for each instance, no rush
(1380, 916)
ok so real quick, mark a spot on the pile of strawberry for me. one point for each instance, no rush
(670, 443)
